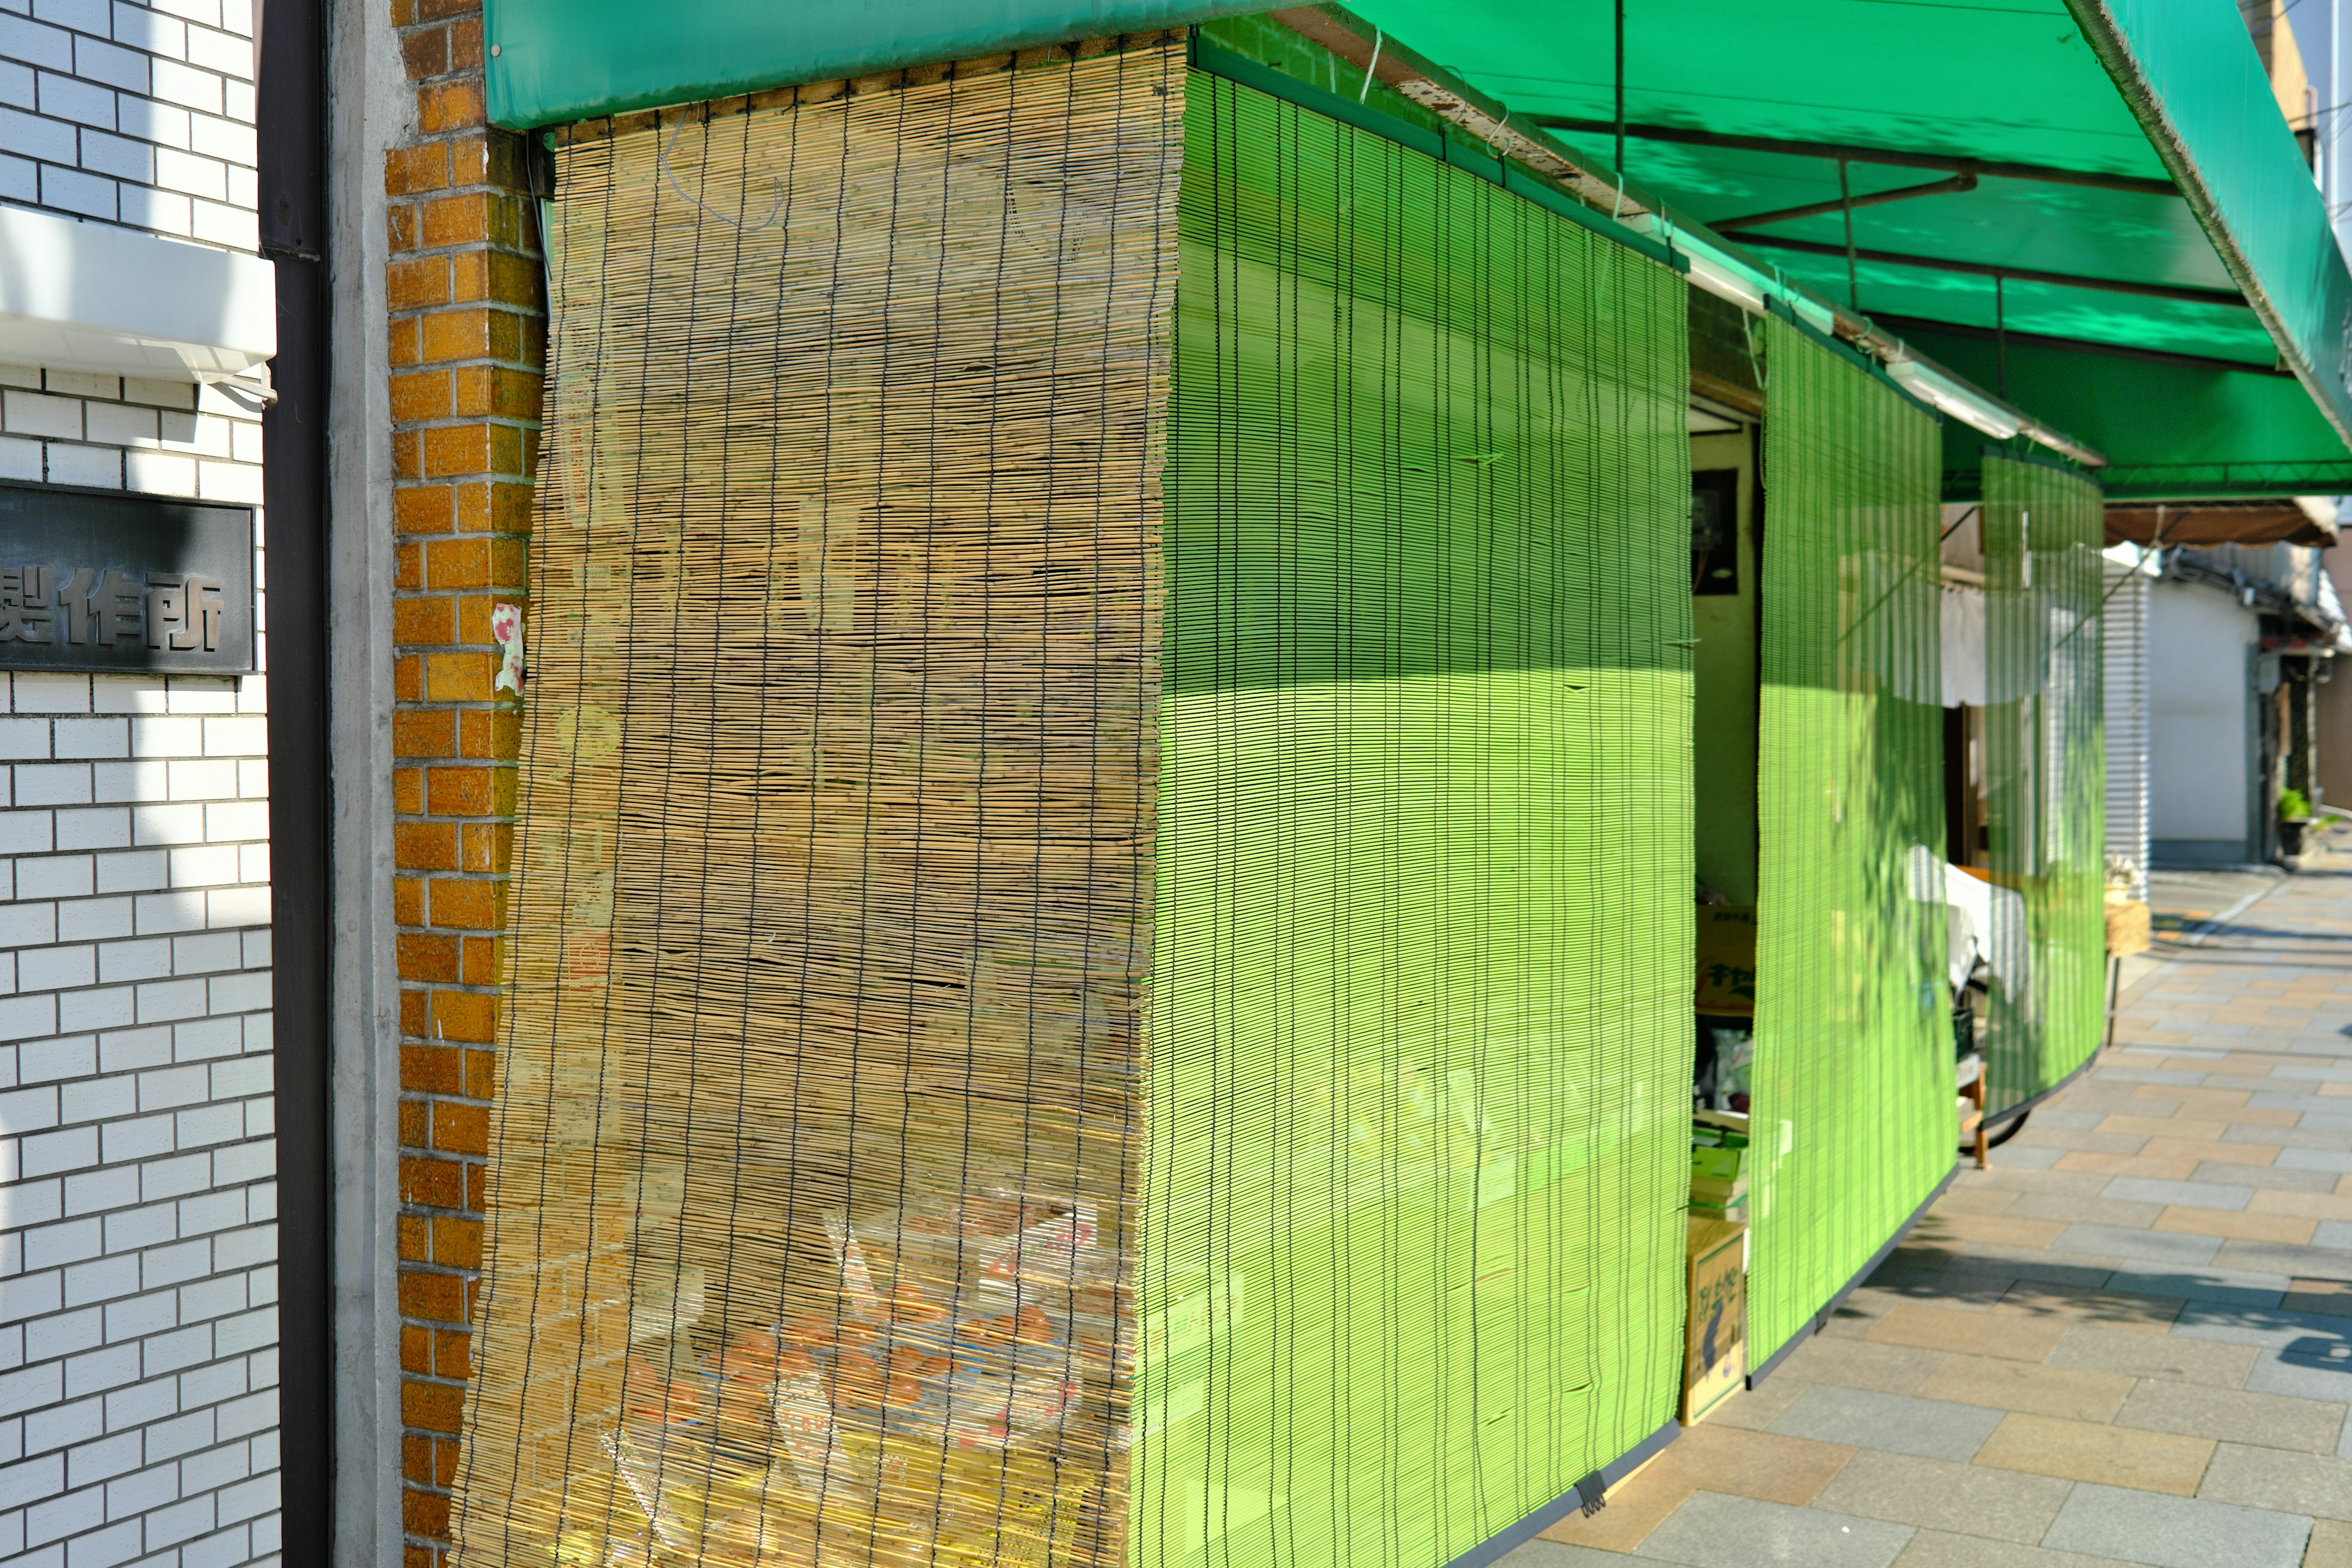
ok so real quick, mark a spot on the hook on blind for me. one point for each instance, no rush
(670, 145)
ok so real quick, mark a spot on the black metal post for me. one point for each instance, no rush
(291, 56)
(1619, 165)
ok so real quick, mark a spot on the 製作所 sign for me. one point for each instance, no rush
(101, 581)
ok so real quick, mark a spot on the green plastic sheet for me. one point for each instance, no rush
(1413, 1232)
(1852, 1082)
(2045, 772)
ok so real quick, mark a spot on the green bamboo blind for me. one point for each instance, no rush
(1853, 1085)
(1412, 1240)
(2045, 758)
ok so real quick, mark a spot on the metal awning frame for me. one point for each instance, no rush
(1718, 264)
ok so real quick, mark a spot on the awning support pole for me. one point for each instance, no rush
(1620, 93)
(1845, 204)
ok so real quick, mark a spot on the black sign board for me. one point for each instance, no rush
(99, 581)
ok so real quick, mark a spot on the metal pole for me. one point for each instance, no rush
(1845, 204)
(1619, 165)
(2000, 334)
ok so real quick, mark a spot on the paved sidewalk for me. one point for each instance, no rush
(2129, 1341)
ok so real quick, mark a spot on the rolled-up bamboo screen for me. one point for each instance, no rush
(1854, 1082)
(2046, 770)
(812, 1193)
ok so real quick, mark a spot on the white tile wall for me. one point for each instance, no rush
(138, 114)
(137, 1200)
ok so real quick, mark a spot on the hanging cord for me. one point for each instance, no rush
(669, 145)
(1371, 70)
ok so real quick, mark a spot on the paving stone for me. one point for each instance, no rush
(2272, 1257)
(1999, 1228)
(2116, 1308)
(2235, 1288)
(1861, 1364)
(2195, 1195)
(2068, 1209)
(2262, 1177)
(1939, 1494)
(2162, 1124)
(2037, 1137)
(2338, 1160)
(2315, 1369)
(1542, 1552)
(1974, 1199)
(2291, 1230)
(2084, 1450)
(2333, 1233)
(2071, 1393)
(1944, 1328)
(1712, 1531)
(2176, 1532)
(1939, 1548)
(2269, 1327)
(1895, 1423)
(2290, 1483)
(2212, 1364)
(2029, 1158)
(2233, 1415)
(1755, 1409)
(2143, 1075)
(2294, 1099)
(2319, 1298)
(2113, 1241)
(2044, 1116)
(2311, 1140)
(1763, 1465)
(2327, 1072)
(2331, 1545)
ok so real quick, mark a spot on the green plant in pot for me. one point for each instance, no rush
(2293, 820)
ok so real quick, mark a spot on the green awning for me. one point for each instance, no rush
(2116, 175)
(2113, 174)
(553, 61)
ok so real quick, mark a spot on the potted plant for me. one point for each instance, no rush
(2294, 821)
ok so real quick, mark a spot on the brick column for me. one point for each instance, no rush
(467, 325)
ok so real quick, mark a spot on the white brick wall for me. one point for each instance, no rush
(138, 1277)
(137, 114)
(138, 1194)
(138, 1281)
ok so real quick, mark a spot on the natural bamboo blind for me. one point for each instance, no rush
(812, 1193)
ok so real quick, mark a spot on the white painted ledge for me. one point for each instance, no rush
(92, 295)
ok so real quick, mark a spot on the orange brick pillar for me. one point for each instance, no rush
(467, 338)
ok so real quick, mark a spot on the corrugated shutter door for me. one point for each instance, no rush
(2123, 632)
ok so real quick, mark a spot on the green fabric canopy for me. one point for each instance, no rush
(2133, 183)
(2094, 138)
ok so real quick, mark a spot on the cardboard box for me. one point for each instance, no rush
(1727, 961)
(1715, 1357)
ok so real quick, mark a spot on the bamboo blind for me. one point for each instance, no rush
(811, 1188)
(1418, 1126)
(1852, 1102)
(2046, 769)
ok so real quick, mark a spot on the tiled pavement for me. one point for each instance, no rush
(2128, 1342)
